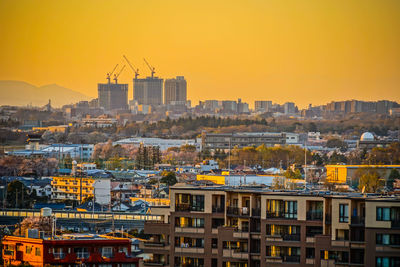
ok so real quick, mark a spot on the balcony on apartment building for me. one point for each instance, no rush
(357, 220)
(187, 203)
(283, 254)
(239, 212)
(256, 212)
(235, 250)
(218, 204)
(315, 215)
(242, 232)
(189, 262)
(156, 241)
(315, 210)
(281, 215)
(283, 233)
(151, 262)
(291, 237)
(218, 209)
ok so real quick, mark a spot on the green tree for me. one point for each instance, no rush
(337, 143)
(17, 195)
(169, 178)
(393, 176)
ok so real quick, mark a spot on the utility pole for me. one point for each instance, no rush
(22, 195)
(16, 199)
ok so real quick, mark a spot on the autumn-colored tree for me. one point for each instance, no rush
(278, 183)
(43, 224)
(369, 180)
(293, 174)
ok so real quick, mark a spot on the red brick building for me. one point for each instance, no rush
(85, 250)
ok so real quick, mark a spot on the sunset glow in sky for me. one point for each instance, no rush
(279, 50)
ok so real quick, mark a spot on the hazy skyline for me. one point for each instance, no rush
(299, 51)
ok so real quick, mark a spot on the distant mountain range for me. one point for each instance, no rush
(18, 93)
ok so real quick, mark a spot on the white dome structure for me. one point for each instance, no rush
(367, 136)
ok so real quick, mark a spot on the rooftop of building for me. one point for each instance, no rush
(69, 237)
(304, 193)
(362, 166)
(247, 134)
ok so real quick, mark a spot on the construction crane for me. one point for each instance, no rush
(110, 73)
(136, 71)
(117, 75)
(152, 69)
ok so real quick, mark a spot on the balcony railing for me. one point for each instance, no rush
(396, 224)
(153, 262)
(256, 212)
(282, 215)
(357, 220)
(255, 229)
(315, 215)
(182, 207)
(154, 244)
(291, 258)
(217, 209)
(287, 237)
(236, 211)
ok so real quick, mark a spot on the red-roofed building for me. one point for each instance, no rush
(90, 250)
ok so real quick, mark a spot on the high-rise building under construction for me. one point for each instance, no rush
(175, 91)
(148, 91)
(113, 95)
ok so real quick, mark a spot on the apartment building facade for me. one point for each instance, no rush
(230, 140)
(80, 188)
(175, 91)
(83, 250)
(223, 226)
(113, 96)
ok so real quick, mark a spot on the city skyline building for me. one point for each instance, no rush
(175, 91)
(113, 96)
(148, 91)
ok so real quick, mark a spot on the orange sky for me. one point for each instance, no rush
(281, 50)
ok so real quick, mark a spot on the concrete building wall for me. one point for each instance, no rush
(102, 191)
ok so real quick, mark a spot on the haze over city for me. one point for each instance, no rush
(307, 52)
(258, 133)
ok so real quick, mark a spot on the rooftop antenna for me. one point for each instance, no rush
(110, 73)
(152, 69)
(135, 70)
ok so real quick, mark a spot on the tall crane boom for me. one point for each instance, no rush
(136, 71)
(110, 73)
(116, 75)
(152, 69)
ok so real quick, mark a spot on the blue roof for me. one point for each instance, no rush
(53, 206)
(64, 171)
